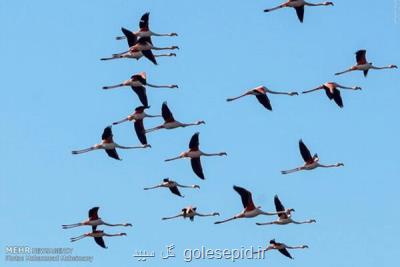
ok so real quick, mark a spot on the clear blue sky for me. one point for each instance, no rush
(52, 103)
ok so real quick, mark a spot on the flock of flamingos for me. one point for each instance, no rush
(140, 45)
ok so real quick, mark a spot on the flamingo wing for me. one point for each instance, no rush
(328, 92)
(112, 153)
(279, 207)
(100, 242)
(166, 113)
(149, 55)
(130, 36)
(175, 190)
(196, 166)
(144, 21)
(366, 73)
(247, 199)
(285, 252)
(140, 78)
(107, 133)
(278, 204)
(264, 100)
(305, 153)
(337, 98)
(300, 13)
(140, 131)
(194, 142)
(141, 93)
(93, 213)
(361, 57)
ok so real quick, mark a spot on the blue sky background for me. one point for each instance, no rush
(52, 103)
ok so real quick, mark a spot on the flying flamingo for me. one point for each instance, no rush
(144, 30)
(332, 91)
(194, 153)
(281, 247)
(138, 82)
(108, 145)
(94, 220)
(170, 122)
(364, 65)
(310, 162)
(172, 185)
(285, 217)
(190, 212)
(140, 47)
(98, 237)
(138, 117)
(298, 5)
(250, 210)
(260, 93)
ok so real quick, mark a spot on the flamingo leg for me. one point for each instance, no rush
(68, 226)
(309, 221)
(292, 170)
(154, 129)
(226, 220)
(214, 154)
(207, 215)
(153, 187)
(312, 90)
(120, 234)
(178, 157)
(173, 217)
(121, 121)
(75, 152)
(165, 48)
(275, 8)
(113, 86)
(73, 239)
(188, 186)
(237, 97)
(112, 57)
(266, 223)
(132, 147)
(297, 247)
(117, 224)
(343, 72)
(166, 55)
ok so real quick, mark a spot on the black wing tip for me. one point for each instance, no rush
(238, 188)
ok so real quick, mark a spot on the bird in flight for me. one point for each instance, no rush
(172, 186)
(281, 247)
(138, 83)
(108, 144)
(310, 162)
(298, 5)
(139, 47)
(250, 210)
(261, 93)
(144, 29)
(363, 65)
(194, 153)
(169, 120)
(332, 91)
(94, 220)
(190, 212)
(284, 215)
